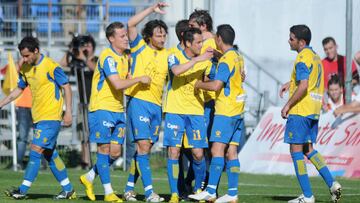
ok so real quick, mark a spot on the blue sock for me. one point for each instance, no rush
(199, 168)
(102, 165)
(58, 169)
(301, 173)
(111, 161)
(173, 173)
(233, 171)
(216, 168)
(318, 161)
(143, 165)
(133, 176)
(31, 172)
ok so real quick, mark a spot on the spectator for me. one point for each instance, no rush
(354, 106)
(81, 53)
(334, 95)
(334, 63)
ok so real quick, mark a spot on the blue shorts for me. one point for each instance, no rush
(144, 120)
(300, 130)
(227, 130)
(107, 127)
(46, 133)
(209, 111)
(178, 124)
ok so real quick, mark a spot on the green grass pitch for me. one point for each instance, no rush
(252, 188)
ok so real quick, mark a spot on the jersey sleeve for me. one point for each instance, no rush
(173, 61)
(109, 66)
(223, 72)
(22, 82)
(302, 71)
(60, 77)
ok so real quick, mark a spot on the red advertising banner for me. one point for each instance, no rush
(338, 141)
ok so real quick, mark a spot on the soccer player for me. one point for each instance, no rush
(184, 109)
(229, 108)
(302, 113)
(149, 57)
(47, 81)
(201, 19)
(106, 109)
(184, 185)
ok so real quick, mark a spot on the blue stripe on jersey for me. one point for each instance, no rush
(302, 71)
(133, 56)
(57, 89)
(136, 41)
(227, 86)
(172, 61)
(101, 79)
(212, 73)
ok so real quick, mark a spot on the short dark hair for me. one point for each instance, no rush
(227, 33)
(327, 40)
(301, 32)
(202, 17)
(29, 42)
(188, 35)
(110, 29)
(335, 80)
(180, 27)
(149, 27)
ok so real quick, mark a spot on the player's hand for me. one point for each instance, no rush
(284, 88)
(67, 118)
(196, 86)
(128, 76)
(285, 111)
(157, 8)
(209, 53)
(145, 79)
(243, 76)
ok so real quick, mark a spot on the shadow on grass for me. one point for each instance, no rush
(285, 198)
(138, 197)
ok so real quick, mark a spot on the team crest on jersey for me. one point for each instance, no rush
(45, 140)
(112, 65)
(97, 135)
(218, 133)
(290, 135)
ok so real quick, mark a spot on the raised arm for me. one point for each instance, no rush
(136, 19)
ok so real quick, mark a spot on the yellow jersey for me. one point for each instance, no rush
(45, 80)
(308, 66)
(103, 95)
(150, 62)
(182, 98)
(230, 100)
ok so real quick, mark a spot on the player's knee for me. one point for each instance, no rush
(143, 146)
(115, 151)
(232, 153)
(198, 154)
(174, 153)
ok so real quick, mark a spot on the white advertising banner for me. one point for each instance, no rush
(338, 141)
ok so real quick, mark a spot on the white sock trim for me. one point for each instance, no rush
(64, 182)
(130, 184)
(212, 187)
(108, 189)
(26, 183)
(149, 187)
